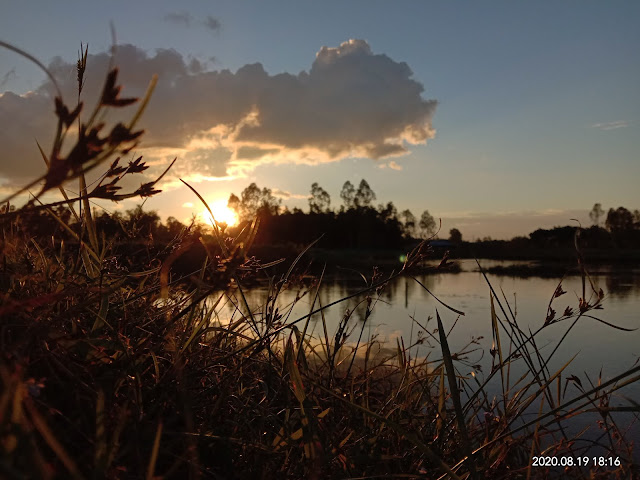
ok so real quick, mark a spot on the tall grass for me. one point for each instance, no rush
(113, 369)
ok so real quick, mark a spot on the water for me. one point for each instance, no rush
(404, 306)
(405, 310)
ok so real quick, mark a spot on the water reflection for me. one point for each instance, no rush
(623, 284)
(404, 308)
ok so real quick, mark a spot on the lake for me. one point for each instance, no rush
(405, 310)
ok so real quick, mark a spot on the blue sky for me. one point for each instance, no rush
(537, 114)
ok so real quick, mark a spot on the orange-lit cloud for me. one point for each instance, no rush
(285, 194)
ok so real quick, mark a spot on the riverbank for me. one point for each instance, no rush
(529, 262)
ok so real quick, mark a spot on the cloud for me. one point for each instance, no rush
(212, 23)
(185, 19)
(611, 125)
(392, 165)
(179, 18)
(23, 119)
(286, 194)
(350, 103)
(281, 193)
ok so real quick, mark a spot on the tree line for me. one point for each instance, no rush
(357, 223)
(611, 233)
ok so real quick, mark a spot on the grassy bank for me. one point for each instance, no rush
(106, 367)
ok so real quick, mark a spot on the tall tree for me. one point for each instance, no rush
(269, 204)
(347, 194)
(320, 201)
(427, 224)
(595, 214)
(408, 223)
(253, 201)
(250, 201)
(364, 196)
(234, 203)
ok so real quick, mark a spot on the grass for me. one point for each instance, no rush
(117, 370)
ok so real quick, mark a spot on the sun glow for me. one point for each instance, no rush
(221, 213)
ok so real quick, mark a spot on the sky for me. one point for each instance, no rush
(497, 117)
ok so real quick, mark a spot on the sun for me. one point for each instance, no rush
(221, 213)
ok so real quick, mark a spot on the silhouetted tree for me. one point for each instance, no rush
(364, 196)
(139, 223)
(619, 220)
(595, 214)
(408, 223)
(109, 224)
(553, 238)
(174, 226)
(269, 204)
(253, 202)
(427, 224)
(320, 201)
(455, 236)
(389, 212)
(234, 203)
(250, 201)
(347, 194)
(42, 225)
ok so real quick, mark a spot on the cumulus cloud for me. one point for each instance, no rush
(352, 102)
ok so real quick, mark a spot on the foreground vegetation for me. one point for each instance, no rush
(114, 365)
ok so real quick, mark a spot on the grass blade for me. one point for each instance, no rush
(154, 453)
(455, 396)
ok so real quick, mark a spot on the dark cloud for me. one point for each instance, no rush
(185, 19)
(179, 18)
(252, 153)
(205, 161)
(351, 102)
(23, 120)
(212, 23)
